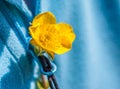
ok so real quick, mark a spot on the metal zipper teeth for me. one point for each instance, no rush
(14, 26)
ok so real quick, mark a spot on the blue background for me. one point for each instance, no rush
(94, 61)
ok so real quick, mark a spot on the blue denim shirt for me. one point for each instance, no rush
(18, 68)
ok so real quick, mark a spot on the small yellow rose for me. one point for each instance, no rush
(51, 36)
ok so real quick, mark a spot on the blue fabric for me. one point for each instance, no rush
(18, 66)
(94, 61)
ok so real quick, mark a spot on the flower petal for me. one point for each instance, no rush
(56, 38)
(66, 37)
(44, 18)
(32, 41)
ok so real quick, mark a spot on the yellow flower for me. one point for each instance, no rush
(51, 36)
(40, 85)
